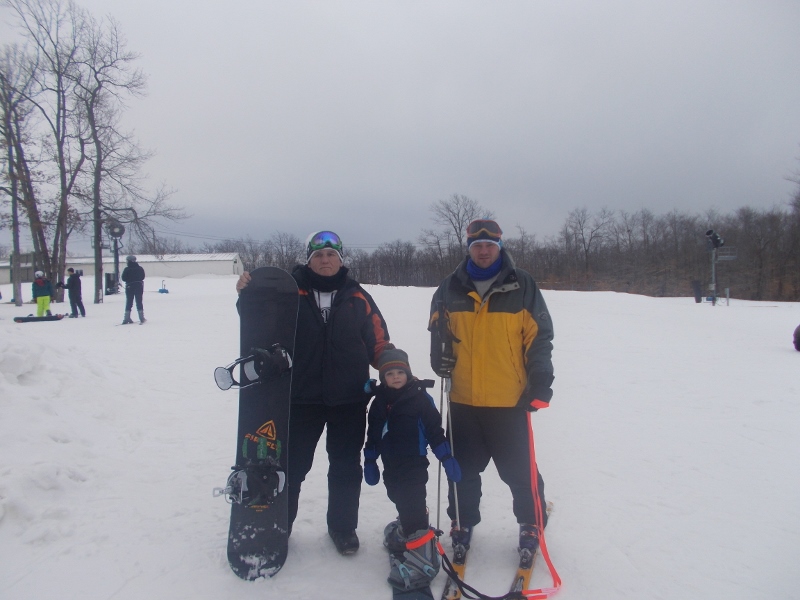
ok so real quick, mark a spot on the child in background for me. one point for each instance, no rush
(403, 421)
(42, 291)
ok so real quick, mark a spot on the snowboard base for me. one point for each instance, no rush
(32, 319)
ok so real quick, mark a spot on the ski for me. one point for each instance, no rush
(527, 562)
(451, 590)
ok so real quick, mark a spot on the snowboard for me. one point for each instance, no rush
(32, 319)
(258, 538)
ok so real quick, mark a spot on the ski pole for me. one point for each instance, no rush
(439, 477)
(444, 337)
(452, 448)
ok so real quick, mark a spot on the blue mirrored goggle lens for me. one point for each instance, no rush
(325, 239)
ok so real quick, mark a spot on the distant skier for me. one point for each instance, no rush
(133, 276)
(403, 421)
(42, 292)
(797, 338)
(73, 286)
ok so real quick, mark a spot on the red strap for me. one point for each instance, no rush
(542, 593)
(421, 541)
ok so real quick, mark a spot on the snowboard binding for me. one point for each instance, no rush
(413, 560)
(261, 365)
(253, 485)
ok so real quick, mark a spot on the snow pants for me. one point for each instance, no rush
(481, 434)
(405, 478)
(76, 304)
(42, 305)
(133, 291)
(346, 429)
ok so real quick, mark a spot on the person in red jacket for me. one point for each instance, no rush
(340, 332)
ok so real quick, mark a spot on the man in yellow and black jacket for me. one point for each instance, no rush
(491, 334)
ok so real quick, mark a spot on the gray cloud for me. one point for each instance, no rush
(355, 116)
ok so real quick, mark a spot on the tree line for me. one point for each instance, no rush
(68, 165)
(636, 252)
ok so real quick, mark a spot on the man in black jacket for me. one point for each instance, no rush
(133, 276)
(340, 332)
(73, 287)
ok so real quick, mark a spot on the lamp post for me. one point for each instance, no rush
(715, 242)
(115, 230)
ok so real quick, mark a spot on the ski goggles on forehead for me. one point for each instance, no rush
(484, 229)
(325, 239)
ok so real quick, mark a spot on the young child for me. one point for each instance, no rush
(403, 421)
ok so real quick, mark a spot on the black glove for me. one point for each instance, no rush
(442, 360)
(60, 284)
(537, 395)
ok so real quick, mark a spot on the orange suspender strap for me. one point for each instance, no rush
(541, 593)
(420, 541)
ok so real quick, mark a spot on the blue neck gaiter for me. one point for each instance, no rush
(478, 274)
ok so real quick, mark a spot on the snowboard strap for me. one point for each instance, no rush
(541, 593)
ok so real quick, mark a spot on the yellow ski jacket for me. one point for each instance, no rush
(502, 342)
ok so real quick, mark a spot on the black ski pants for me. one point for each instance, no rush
(500, 434)
(346, 426)
(405, 478)
(133, 291)
(76, 304)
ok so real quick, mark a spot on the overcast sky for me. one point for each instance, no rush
(355, 116)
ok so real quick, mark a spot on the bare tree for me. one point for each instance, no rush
(455, 213)
(286, 249)
(54, 29)
(15, 82)
(588, 231)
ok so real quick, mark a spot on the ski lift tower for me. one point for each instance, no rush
(718, 253)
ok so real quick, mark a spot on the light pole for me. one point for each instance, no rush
(714, 242)
(115, 231)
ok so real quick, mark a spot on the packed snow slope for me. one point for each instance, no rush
(670, 451)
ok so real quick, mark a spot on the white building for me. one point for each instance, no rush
(168, 265)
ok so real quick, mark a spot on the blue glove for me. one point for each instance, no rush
(451, 466)
(372, 474)
(370, 387)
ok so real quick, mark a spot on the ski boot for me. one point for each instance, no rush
(462, 537)
(127, 319)
(142, 320)
(528, 543)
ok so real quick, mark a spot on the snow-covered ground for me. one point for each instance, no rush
(671, 453)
